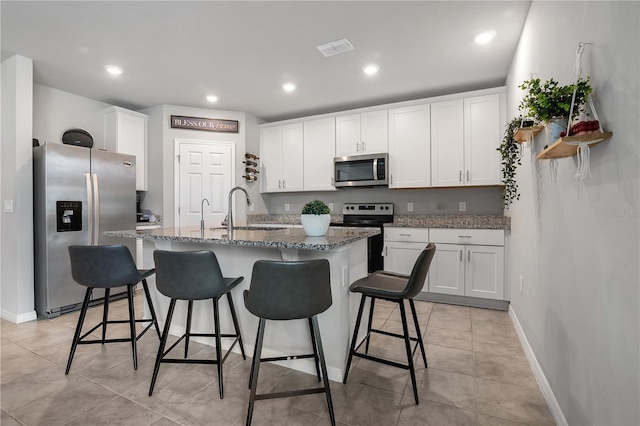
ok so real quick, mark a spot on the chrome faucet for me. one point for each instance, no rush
(202, 214)
(230, 212)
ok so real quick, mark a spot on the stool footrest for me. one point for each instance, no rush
(382, 360)
(388, 333)
(290, 393)
(286, 358)
(188, 361)
(91, 342)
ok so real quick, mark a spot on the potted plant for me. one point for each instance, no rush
(550, 103)
(510, 154)
(315, 218)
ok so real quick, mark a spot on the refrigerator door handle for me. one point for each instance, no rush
(87, 177)
(96, 210)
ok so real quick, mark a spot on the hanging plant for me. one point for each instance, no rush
(510, 153)
(544, 101)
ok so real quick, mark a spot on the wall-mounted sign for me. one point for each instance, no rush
(208, 124)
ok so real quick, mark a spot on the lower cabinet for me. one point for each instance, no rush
(467, 262)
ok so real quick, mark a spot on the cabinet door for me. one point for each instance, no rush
(319, 150)
(482, 135)
(132, 136)
(400, 257)
(447, 270)
(484, 275)
(374, 132)
(271, 158)
(409, 147)
(447, 143)
(348, 135)
(292, 157)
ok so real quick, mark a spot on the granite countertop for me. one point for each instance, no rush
(466, 221)
(289, 238)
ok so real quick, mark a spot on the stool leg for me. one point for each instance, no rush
(76, 336)
(163, 343)
(323, 365)
(313, 343)
(255, 368)
(415, 321)
(407, 345)
(216, 321)
(232, 308)
(186, 339)
(352, 349)
(366, 348)
(132, 326)
(151, 310)
(105, 313)
(255, 350)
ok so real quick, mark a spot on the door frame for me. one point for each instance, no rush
(177, 142)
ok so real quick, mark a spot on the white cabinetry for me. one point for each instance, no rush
(468, 262)
(365, 133)
(409, 147)
(465, 135)
(126, 132)
(402, 246)
(281, 154)
(319, 150)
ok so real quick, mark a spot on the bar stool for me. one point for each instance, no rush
(286, 291)
(194, 275)
(107, 267)
(396, 288)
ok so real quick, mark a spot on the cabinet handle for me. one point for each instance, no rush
(358, 146)
(390, 179)
(460, 176)
(333, 182)
(460, 255)
(464, 236)
(468, 255)
(284, 183)
(363, 146)
(279, 183)
(406, 235)
(468, 180)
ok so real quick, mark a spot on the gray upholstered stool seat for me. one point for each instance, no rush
(396, 288)
(107, 267)
(194, 275)
(282, 291)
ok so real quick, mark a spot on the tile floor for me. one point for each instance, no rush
(477, 375)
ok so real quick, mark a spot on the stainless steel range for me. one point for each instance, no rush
(371, 215)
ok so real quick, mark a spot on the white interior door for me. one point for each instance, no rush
(205, 171)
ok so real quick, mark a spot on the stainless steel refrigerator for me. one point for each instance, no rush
(78, 194)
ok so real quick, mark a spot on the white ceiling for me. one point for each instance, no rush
(177, 52)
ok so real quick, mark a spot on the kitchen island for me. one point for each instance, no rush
(345, 248)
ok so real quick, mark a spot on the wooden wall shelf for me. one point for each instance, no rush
(525, 134)
(568, 145)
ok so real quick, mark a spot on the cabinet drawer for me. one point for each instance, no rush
(415, 235)
(489, 237)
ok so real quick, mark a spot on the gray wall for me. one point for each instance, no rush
(482, 200)
(576, 243)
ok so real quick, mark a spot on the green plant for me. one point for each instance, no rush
(315, 207)
(547, 100)
(510, 154)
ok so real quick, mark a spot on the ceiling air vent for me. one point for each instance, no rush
(335, 47)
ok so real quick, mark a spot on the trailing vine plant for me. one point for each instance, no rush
(510, 153)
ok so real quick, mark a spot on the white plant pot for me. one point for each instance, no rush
(315, 225)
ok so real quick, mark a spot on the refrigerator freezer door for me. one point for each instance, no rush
(59, 176)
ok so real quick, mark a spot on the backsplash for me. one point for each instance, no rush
(479, 200)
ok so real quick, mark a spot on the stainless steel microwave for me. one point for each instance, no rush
(360, 170)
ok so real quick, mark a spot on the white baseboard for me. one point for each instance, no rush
(552, 402)
(19, 318)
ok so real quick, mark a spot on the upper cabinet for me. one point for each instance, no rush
(409, 147)
(465, 135)
(319, 150)
(125, 132)
(281, 149)
(365, 133)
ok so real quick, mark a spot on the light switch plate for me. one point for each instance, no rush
(8, 206)
(463, 206)
(287, 207)
(409, 207)
(331, 206)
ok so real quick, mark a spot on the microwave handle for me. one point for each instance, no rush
(375, 169)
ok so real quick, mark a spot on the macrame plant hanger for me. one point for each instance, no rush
(583, 147)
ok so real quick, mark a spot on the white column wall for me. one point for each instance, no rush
(16, 273)
(576, 243)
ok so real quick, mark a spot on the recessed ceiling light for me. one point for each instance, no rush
(485, 37)
(212, 98)
(371, 69)
(289, 87)
(115, 70)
